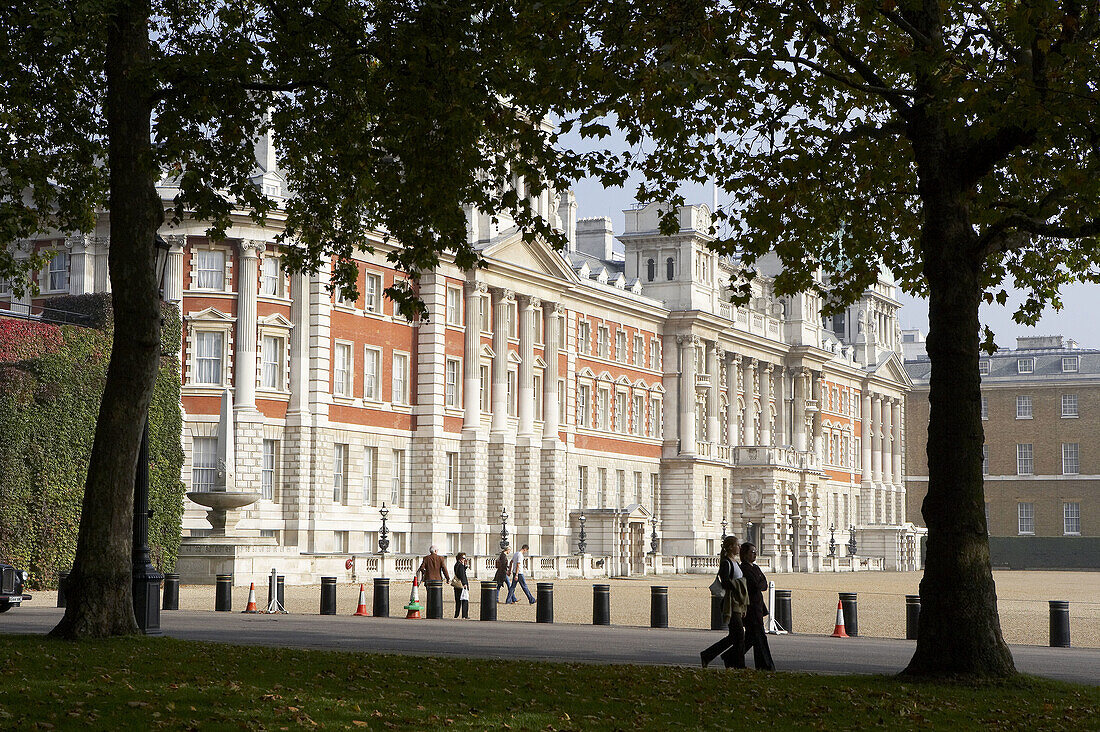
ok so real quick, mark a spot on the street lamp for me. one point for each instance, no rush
(723, 529)
(851, 540)
(146, 579)
(503, 528)
(832, 540)
(582, 541)
(654, 539)
(383, 541)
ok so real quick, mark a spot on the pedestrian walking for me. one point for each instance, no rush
(433, 566)
(734, 606)
(501, 577)
(755, 636)
(516, 570)
(461, 586)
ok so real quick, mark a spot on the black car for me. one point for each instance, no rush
(11, 587)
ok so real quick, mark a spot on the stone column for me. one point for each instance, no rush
(687, 393)
(733, 368)
(765, 375)
(502, 453)
(671, 381)
(895, 422)
(818, 386)
(81, 264)
(887, 443)
(876, 449)
(799, 426)
(299, 342)
(779, 434)
(865, 437)
(551, 322)
(712, 360)
(244, 366)
(173, 271)
(502, 301)
(526, 386)
(471, 371)
(748, 380)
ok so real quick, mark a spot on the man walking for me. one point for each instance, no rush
(755, 637)
(501, 577)
(516, 569)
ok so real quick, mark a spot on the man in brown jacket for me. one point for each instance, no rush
(433, 567)
(501, 577)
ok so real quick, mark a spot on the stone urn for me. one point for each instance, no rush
(225, 508)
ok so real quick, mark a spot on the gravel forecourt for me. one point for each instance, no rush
(1022, 601)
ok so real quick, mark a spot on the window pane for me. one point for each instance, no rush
(267, 471)
(208, 357)
(209, 269)
(204, 463)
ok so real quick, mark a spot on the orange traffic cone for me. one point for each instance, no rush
(838, 631)
(362, 609)
(251, 608)
(414, 606)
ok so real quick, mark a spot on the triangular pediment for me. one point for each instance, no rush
(533, 256)
(892, 369)
(210, 313)
(486, 351)
(276, 320)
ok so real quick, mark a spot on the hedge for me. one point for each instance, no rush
(51, 383)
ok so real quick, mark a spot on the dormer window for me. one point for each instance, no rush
(983, 367)
(1025, 365)
(1069, 364)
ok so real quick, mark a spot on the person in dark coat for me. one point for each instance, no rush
(755, 636)
(460, 574)
(732, 647)
(433, 566)
(501, 577)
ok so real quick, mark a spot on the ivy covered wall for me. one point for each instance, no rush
(51, 381)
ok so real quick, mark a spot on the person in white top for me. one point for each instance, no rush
(732, 647)
(515, 568)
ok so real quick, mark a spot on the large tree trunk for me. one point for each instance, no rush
(99, 587)
(959, 633)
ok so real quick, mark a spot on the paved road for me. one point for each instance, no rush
(557, 642)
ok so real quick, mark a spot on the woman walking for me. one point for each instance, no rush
(464, 588)
(734, 606)
(755, 637)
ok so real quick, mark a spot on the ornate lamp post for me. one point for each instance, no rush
(724, 529)
(503, 529)
(832, 540)
(654, 540)
(851, 541)
(383, 537)
(146, 579)
(582, 542)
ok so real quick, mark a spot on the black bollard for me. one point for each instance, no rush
(658, 607)
(61, 598)
(381, 597)
(912, 615)
(223, 593)
(1059, 623)
(851, 622)
(716, 614)
(782, 610)
(280, 590)
(435, 599)
(488, 600)
(544, 611)
(601, 604)
(328, 595)
(171, 592)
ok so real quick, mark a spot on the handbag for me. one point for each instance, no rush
(457, 583)
(716, 588)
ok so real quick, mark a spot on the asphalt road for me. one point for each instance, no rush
(554, 642)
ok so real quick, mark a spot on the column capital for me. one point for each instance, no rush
(78, 242)
(553, 309)
(176, 241)
(252, 247)
(530, 302)
(504, 294)
(736, 359)
(876, 397)
(472, 287)
(689, 339)
(767, 367)
(719, 351)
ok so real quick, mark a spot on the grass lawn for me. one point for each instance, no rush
(142, 683)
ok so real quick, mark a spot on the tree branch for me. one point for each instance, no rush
(882, 91)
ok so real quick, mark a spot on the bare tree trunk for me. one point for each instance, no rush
(99, 588)
(959, 632)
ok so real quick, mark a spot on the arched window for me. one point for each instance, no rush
(671, 267)
(651, 269)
